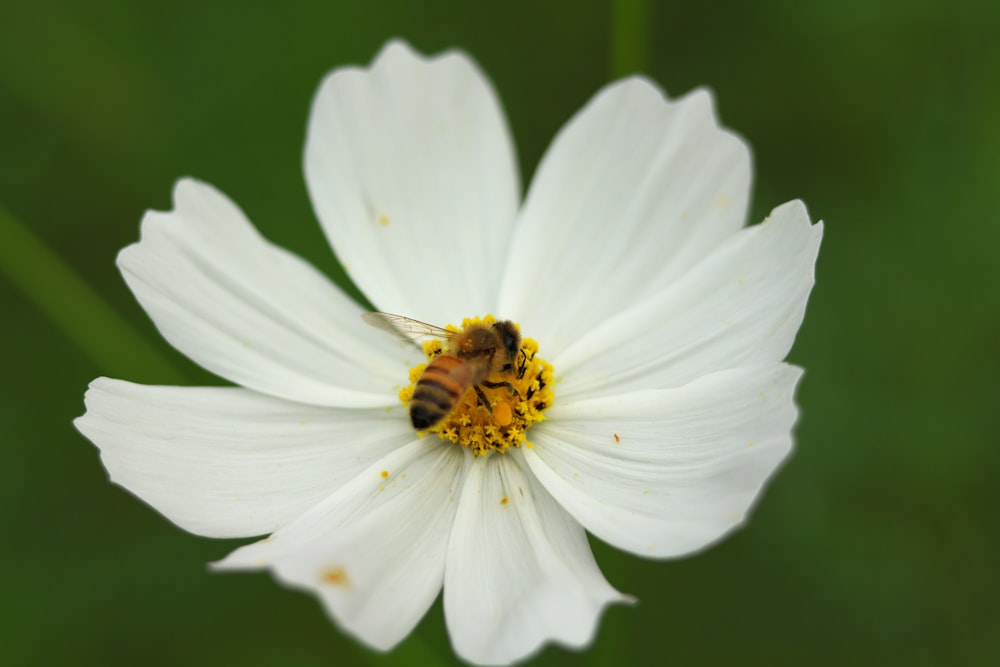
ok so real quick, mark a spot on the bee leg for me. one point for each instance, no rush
(522, 368)
(483, 401)
(497, 385)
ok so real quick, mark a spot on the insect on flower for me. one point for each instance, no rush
(627, 268)
(470, 357)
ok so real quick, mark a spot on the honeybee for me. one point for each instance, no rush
(469, 359)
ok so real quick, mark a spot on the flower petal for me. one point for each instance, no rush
(520, 571)
(252, 312)
(373, 552)
(228, 462)
(412, 173)
(664, 473)
(741, 306)
(632, 192)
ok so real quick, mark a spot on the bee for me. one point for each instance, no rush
(469, 359)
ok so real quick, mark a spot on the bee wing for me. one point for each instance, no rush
(405, 328)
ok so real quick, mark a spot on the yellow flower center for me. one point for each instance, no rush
(489, 397)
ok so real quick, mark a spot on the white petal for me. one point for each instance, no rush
(252, 312)
(632, 192)
(520, 571)
(412, 173)
(741, 306)
(685, 466)
(225, 461)
(374, 552)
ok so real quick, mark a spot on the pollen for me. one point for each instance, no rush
(495, 414)
(502, 414)
(335, 576)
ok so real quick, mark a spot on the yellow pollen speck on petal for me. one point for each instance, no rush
(383, 220)
(495, 414)
(335, 576)
(503, 501)
(618, 438)
(385, 473)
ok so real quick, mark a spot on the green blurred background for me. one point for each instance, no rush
(877, 544)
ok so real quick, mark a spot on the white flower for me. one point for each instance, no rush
(665, 320)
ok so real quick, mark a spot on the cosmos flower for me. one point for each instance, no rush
(653, 322)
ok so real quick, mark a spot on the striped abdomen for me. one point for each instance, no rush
(440, 387)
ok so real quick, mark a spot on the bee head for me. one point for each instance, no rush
(510, 336)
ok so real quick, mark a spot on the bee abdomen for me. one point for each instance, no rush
(436, 393)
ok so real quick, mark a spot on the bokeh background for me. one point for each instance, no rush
(878, 542)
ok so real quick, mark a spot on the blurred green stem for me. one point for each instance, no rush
(76, 309)
(630, 37)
